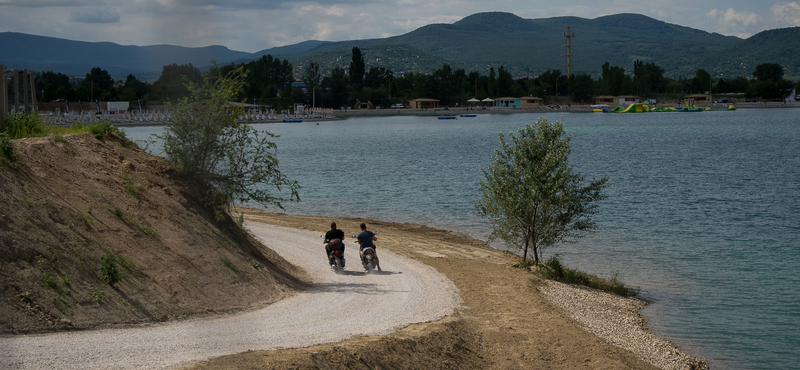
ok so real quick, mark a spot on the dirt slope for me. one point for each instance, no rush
(76, 199)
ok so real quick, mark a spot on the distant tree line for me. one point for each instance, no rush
(271, 81)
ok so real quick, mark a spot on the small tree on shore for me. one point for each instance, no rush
(228, 158)
(531, 196)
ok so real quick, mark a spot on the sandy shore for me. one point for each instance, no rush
(511, 319)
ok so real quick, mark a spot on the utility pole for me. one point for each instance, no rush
(569, 54)
(3, 97)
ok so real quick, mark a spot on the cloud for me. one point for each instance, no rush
(46, 3)
(786, 14)
(734, 22)
(94, 15)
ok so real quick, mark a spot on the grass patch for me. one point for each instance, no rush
(27, 201)
(99, 295)
(26, 297)
(130, 220)
(22, 125)
(50, 281)
(129, 185)
(228, 263)
(85, 218)
(556, 271)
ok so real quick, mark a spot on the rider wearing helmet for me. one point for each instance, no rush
(334, 239)
(365, 238)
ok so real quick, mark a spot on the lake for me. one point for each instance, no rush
(702, 215)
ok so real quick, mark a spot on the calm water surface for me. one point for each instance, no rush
(703, 211)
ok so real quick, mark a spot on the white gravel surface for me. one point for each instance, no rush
(337, 307)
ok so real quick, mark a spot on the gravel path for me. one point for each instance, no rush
(337, 307)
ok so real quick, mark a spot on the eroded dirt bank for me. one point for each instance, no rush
(75, 199)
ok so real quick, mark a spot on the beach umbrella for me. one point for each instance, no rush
(488, 100)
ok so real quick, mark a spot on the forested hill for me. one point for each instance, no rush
(781, 46)
(535, 45)
(40, 53)
(475, 43)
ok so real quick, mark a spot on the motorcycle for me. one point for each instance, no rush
(368, 259)
(336, 256)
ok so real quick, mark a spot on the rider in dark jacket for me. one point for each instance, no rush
(330, 241)
(365, 238)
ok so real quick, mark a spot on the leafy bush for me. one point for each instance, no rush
(108, 268)
(19, 125)
(104, 128)
(7, 148)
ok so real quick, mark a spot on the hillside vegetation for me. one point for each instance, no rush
(475, 43)
(95, 232)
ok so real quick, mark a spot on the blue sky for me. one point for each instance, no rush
(253, 25)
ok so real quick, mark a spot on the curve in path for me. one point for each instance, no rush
(335, 308)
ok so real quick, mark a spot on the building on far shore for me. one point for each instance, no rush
(423, 103)
(523, 102)
(615, 100)
(700, 99)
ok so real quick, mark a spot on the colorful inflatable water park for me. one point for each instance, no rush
(689, 106)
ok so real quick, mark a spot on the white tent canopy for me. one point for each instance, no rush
(487, 100)
(473, 100)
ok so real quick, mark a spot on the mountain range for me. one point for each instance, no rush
(475, 43)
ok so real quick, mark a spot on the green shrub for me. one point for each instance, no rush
(108, 269)
(7, 148)
(19, 125)
(102, 129)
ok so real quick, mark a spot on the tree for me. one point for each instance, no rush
(583, 88)
(701, 81)
(228, 159)
(649, 78)
(357, 68)
(738, 84)
(531, 195)
(768, 72)
(336, 88)
(311, 75)
(615, 81)
(98, 85)
(504, 82)
(140, 89)
(171, 85)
